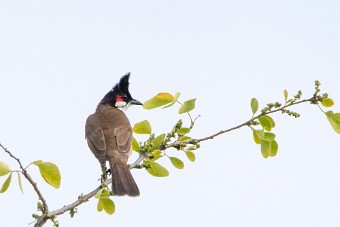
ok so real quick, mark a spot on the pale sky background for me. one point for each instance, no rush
(59, 58)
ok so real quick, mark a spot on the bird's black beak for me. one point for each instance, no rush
(135, 102)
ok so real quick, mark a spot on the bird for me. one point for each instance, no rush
(109, 136)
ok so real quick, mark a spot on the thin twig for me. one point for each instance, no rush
(30, 180)
(253, 118)
(83, 198)
(136, 163)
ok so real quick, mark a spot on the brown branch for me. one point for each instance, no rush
(136, 164)
(30, 180)
(84, 198)
(176, 144)
(254, 118)
(81, 199)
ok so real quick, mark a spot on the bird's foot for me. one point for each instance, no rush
(104, 174)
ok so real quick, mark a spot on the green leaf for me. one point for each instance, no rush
(254, 104)
(100, 205)
(268, 136)
(142, 127)
(265, 148)
(108, 205)
(104, 201)
(273, 148)
(327, 102)
(4, 169)
(173, 101)
(265, 123)
(155, 154)
(177, 162)
(334, 120)
(158, 140)
(183, 131)
(191, 156)
(6, 184)
(187, 106)
(154, 157)
(20, 183)
(37, 162)
(158, 100)
(135, 144)
(272, 122)
(285, 94)
(256, 136)
(260, 133)
(155, 169)
(183, 138)
(50, 172)
(97, 196)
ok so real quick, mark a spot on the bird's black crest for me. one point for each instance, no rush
(123, 84)
(121, 88)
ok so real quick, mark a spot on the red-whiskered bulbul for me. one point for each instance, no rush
(109, 136)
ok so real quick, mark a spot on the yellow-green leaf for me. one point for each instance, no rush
(105, 193)
(108, 205)
(97, 196)
(155, 154)
(4, 169)
(254, 104)
(272, 122)
(20, 183)
(265, 123)
(142, 127)
(135, 144)
(37, 162)
(183, 131)
(256, 136)
(191, 156)
(285, 94)
(50, 172)
(173, 101)
(187, 106)
(158, 140)
(334, 120)
(265, 148)
(100, 205)
(327, 102)
(273, 148)
(269, 136)
(6, 184)
(155, 169)
(154, 157)
(158, 100)
(183, 138)
(177, 162)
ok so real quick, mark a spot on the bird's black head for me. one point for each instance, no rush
(119, 96)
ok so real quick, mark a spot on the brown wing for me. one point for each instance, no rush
(123, 138)
(95, 134)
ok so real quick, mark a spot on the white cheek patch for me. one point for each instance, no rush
(120, 104)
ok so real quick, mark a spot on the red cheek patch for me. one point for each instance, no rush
(119, 98)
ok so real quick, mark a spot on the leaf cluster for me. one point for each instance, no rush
(178, 138)
(265, 137)
(49, 172)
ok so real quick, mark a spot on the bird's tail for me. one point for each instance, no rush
(122, 180)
